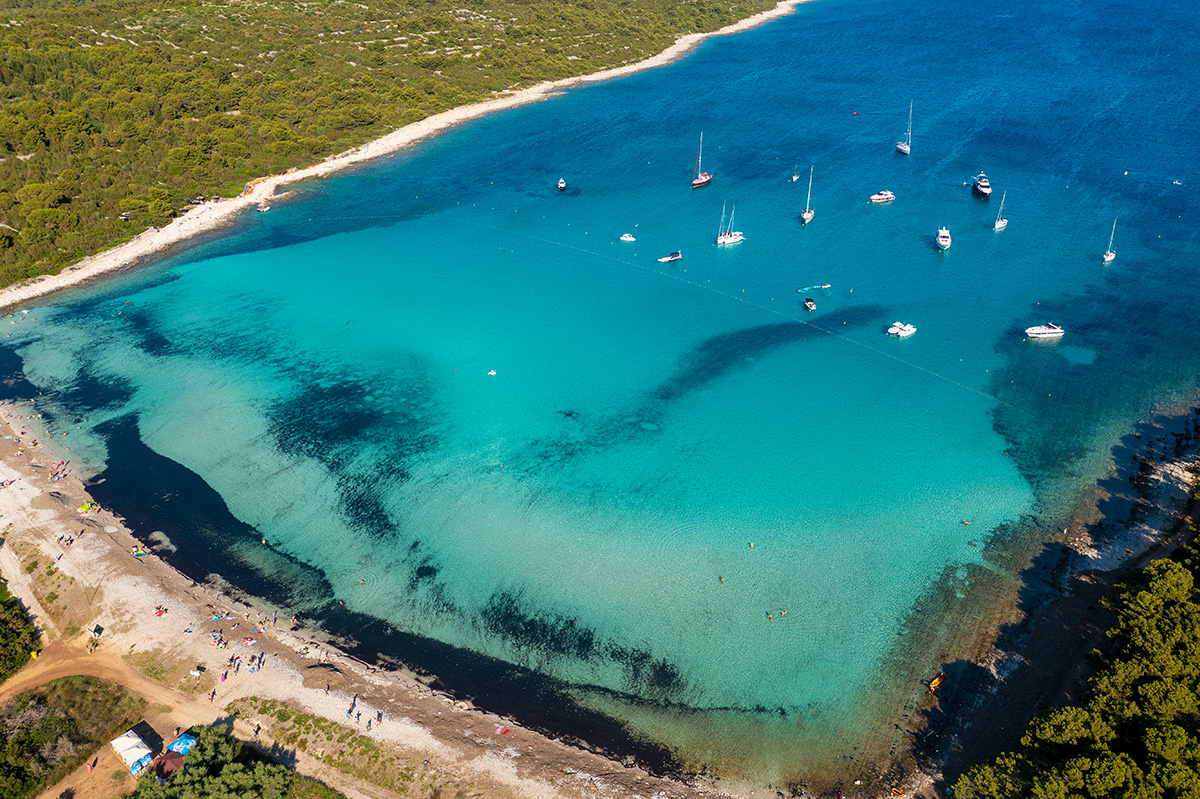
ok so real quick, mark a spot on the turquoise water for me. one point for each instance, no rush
(587, 512)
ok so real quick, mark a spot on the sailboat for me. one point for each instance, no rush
(795, 171)
(1110, 254)
(906, 145)
(700, 178)
(1001, 222)
(727, 235)
(807, 214)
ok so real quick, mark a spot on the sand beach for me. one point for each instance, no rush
(262, 191)
(111, 604)
(76, 567)
(108, 606)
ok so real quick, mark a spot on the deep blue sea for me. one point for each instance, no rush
(583, 486)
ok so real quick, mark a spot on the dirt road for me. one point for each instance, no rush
(167, 710)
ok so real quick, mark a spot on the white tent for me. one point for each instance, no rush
(132, 750)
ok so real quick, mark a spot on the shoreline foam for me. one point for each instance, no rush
(214, 215)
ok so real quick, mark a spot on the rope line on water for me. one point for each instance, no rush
(694, 284)
(752, 304)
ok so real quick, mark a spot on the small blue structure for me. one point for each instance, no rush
(183, 744)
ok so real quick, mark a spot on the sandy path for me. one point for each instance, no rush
(63, 659)
(95, 579)
(211, 216)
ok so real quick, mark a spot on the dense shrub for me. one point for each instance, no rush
(1138, 735)
(138, 106)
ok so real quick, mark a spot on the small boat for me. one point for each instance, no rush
(808, 213)
(906, 145)
(1048, 330)
(727, 235)
(981, 186)
(562, 185)
(627, 237)
(699, 177)
(809, 304)
(263, 208)
(884, 196)
(943, 239)
(675, 256)
(936, 681)
(1001, 222)
(901, 330)
(795, 171)
(1110, 253)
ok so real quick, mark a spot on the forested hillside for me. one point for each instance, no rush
(136, 107)
(1138, 734)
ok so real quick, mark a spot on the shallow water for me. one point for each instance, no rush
(320, 377)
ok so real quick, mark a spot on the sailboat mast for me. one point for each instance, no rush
(808, 202)
(908, 137)
(1112, 235)
(699, 153)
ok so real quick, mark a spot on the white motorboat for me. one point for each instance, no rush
(675, 256)
(699, 177)
(901, 330)
(943, 239)
(562, 185)
(1048, 330)
(727, 235)
(906, 145)
(1001, 222)
(884, 196)
(809, 304)
(981, 185)
(627, 237)
(1110, 253)
(808, 213)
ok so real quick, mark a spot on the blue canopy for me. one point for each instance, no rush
(183, 744)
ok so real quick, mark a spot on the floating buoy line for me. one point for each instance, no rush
(722, 293)
(689, 282)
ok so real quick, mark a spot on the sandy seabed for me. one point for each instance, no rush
(443, 739)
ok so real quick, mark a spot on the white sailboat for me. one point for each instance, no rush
(1110, 254)
(906, 145)
(807, 214)
(1001, 222)
(700, 178)
(796, 171)
(727, 235)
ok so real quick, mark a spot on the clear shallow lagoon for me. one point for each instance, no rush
(324, 369)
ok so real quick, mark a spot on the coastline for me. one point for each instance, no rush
(1034, 660)
(1036, 657)
(1001, 672)
(82, 566)
(214, 215)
